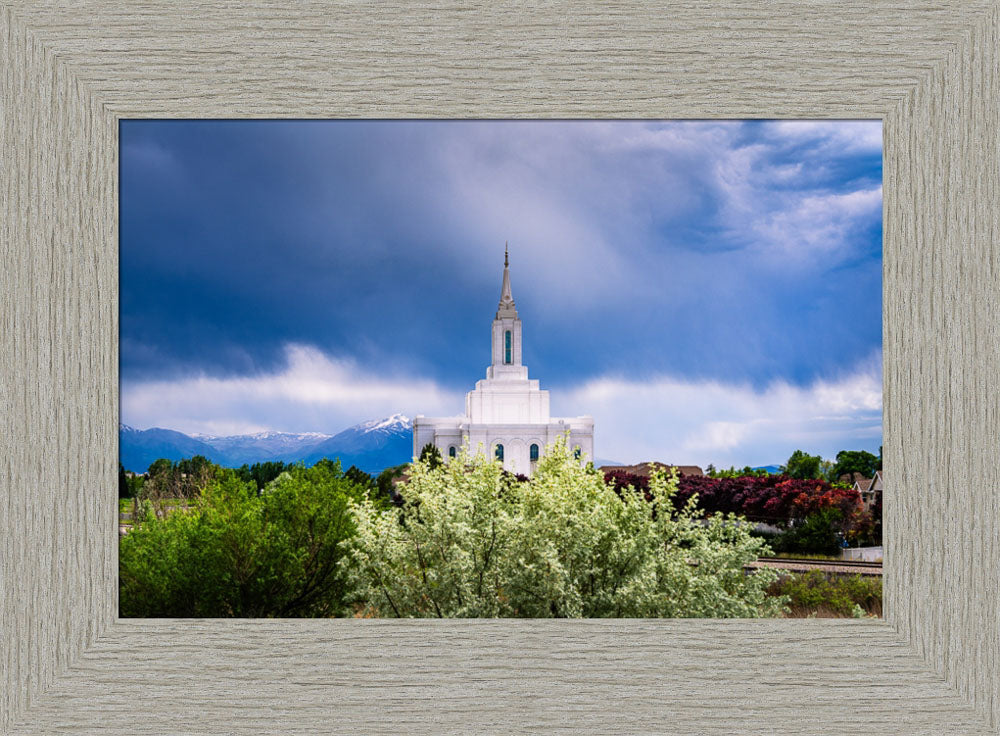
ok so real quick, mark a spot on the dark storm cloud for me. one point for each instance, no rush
(746, 253)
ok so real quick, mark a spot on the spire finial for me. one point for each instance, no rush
(506, 299)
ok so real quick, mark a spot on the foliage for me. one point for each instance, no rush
(234, 552)
(159, 466)
(123, 487)
(818, 591)
(135, 485)
(856, 461)
(803, 466)
(819, 534)
(359, 477)
(384, 483)
(774, 499)
(826, 471)
(472, 541)
(261, 473)
(431, 454)
(733, 472)
(183, 479)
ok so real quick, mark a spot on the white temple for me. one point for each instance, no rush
(506, 414)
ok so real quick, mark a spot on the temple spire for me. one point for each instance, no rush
(506, 307)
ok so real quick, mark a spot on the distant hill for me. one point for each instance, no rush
(772, 469)
(372, 446)
(140, 447)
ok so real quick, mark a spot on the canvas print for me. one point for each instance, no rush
(499, 369)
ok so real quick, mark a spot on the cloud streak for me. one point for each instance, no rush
(727, 424)
(312, 392)
(662, 418)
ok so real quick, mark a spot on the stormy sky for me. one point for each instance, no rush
(709, 291)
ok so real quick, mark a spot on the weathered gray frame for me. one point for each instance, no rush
(71, 69)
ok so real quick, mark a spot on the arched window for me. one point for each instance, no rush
(499, 452)
(506, 347)
(577, 452)
(534, 452)
(451, 451)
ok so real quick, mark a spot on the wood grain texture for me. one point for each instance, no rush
(58, 369)
(670, 677)
(71, 69)
(942, 366)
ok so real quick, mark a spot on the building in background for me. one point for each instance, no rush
(507, 414)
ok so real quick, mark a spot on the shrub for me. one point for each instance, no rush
(817, 591)
(817, 534)
(236, 553)
(471, 541)
(774, 499)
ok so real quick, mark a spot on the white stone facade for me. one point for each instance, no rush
(507, 409)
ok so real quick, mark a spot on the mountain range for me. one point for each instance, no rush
(371, 446)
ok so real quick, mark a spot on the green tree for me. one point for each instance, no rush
(236, 553)
(263, 473)
(471, 541)
(359, 477)
(159, 467)
(123, 486)
(431, 454)
(135, 484)
(819, 533)
(384, 483)
(181, 480)
(856, 461)
(802, 465)
(745, 472)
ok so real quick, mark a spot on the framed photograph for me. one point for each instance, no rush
(71, 664)
(306, 304)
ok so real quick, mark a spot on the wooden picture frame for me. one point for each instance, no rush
(70, 71)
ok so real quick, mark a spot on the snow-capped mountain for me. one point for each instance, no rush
(250, 448)
(390, 424)
(372, 446)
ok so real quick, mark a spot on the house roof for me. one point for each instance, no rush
(855, 477)
(868, 485)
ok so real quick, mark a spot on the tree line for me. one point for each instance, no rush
(462, 538)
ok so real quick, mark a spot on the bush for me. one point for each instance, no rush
(233, 552)
(818, 534)
(472, 541)
(774, 499)
(819, 592)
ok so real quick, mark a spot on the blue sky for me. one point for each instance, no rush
(709, 291)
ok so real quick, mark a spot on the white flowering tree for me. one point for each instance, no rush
(472, 541)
